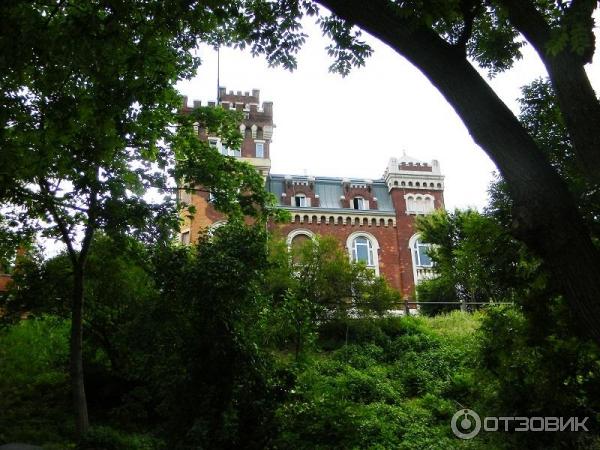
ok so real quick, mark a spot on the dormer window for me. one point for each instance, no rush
(360, 203)
(300, 200)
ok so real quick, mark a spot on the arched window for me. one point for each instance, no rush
(419, 204)
(215, 226)
(362, 250)
(420, 251)
(297, 238)
(363, 247)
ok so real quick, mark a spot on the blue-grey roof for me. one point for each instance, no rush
(330, 190)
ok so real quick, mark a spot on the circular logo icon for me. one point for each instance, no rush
(465, 424)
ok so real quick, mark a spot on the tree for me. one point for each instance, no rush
(315, 283)
(197, 345)
(439, 38)
(475, 258)
(88, 126)
(542, 117)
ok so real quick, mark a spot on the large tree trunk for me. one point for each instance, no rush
(546, 215)
(77, 384)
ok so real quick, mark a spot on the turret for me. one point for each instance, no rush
(256, 127)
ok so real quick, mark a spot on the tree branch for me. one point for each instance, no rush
(47, 199)
(576, 96)
(469, 11)
(580, 12)
(530, 22)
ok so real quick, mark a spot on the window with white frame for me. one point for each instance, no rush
(419, 204)
(223, 149)
(300, 200)
(215, 226)
(421, 255)
(298, 237)
(260, 149)
(358, 203)
(363, 247)
(362, 251)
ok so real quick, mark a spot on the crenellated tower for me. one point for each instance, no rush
(257, 132)
(416, 188)
(256, 127)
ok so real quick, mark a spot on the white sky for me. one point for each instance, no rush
(332, 126)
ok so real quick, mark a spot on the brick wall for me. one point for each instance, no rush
(292, 188)
(389, 265)
(204, 216)
(353, 191)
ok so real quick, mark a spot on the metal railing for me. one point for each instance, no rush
(463, 304)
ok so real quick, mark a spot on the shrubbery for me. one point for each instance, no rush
(387, 388)
(194, 348)
(34, 390)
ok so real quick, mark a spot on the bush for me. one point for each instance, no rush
(34, 390)
(538, 369)
(393, 386)
(378, 331)
(106, 438)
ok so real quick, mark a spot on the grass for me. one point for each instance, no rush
(456, 324)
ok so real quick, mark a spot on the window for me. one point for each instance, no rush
(359, 203)
(184, 196)
(363, 247)
(362, 251)
(421, 256)
(417, 204)
(226, 151)
(222, 149)
(214, 227)
(300, 200)
(185, 237)
(298, 237)
(260, 150)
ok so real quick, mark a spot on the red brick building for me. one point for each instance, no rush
(372, 219)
